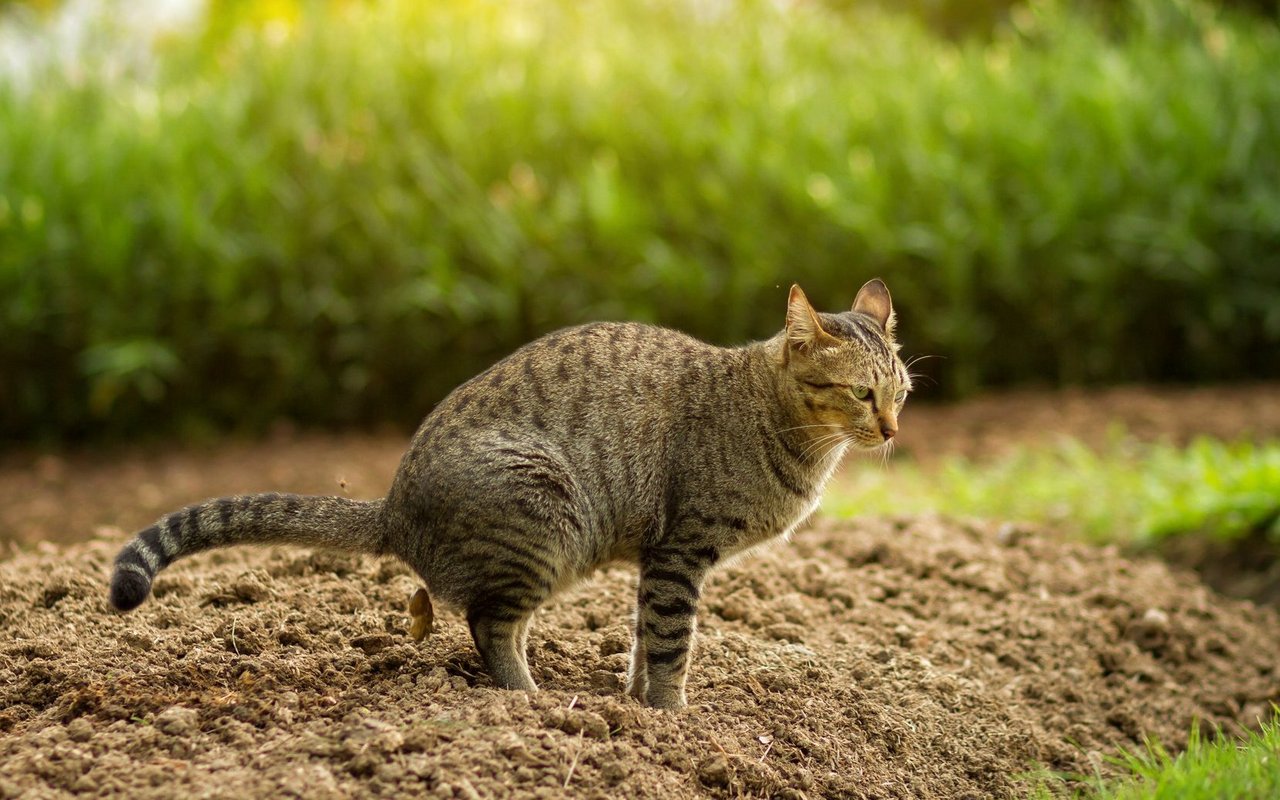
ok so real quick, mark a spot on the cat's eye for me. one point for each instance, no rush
(861, 392)
(900, 397)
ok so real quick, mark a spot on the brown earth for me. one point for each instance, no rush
(918, 657)
(910, 658)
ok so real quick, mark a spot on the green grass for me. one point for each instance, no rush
(1214, 768)
(1130, 493)
(336, 212)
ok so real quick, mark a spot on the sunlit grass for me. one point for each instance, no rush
(1211, 768)
(1130, 493)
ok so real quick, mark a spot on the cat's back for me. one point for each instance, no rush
(580, 376)
(583, 418)
(601, 350)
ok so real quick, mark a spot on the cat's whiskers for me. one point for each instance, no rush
(885, 451)
(802, 427)
(815, 444)
(917, 359)
(843, 439)
(919, 376)
(820, 442)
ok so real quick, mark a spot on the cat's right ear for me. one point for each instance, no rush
(873, 300)
(804, 330)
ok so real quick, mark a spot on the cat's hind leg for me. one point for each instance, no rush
(511, 577)
(515, 536)
(499, 635)
(501, 612)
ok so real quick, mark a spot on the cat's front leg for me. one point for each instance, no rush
(666, 618)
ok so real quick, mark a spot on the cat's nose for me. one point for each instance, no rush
(888, 433)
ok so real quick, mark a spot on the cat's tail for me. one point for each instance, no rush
(250, 519)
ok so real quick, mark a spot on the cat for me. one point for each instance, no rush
(594, 444)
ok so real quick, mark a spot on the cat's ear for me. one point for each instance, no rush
(804, 330)
(874, 301)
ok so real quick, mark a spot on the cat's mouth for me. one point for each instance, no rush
(848, 436)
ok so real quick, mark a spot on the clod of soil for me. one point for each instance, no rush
(909, 658)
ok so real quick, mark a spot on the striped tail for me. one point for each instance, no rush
(250, 519)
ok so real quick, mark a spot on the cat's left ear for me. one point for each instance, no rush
(804, 330)
(874, 301)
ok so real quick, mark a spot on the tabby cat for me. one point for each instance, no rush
(594, 444)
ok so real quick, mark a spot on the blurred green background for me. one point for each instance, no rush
(334, 212)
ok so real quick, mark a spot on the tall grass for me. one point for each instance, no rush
(339, 214)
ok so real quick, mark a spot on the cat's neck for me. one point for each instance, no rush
(786, 419)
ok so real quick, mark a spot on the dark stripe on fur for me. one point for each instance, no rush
(665, 657)
(715, 520)
(150, 538)
(191, 520)
(226, 507)
(527, 553)
(674, 608)
(670, 576)
(494, 609)
(670, 636)
(780, 473)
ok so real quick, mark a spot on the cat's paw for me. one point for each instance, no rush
(666, 698)
(636, 689)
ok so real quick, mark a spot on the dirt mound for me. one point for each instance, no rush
(910, 658)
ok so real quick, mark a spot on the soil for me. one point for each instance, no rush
(914, 657)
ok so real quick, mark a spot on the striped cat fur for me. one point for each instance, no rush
(601, 443)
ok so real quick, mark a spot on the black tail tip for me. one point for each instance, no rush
(128, 589)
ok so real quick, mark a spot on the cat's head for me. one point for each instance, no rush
(844, 368)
